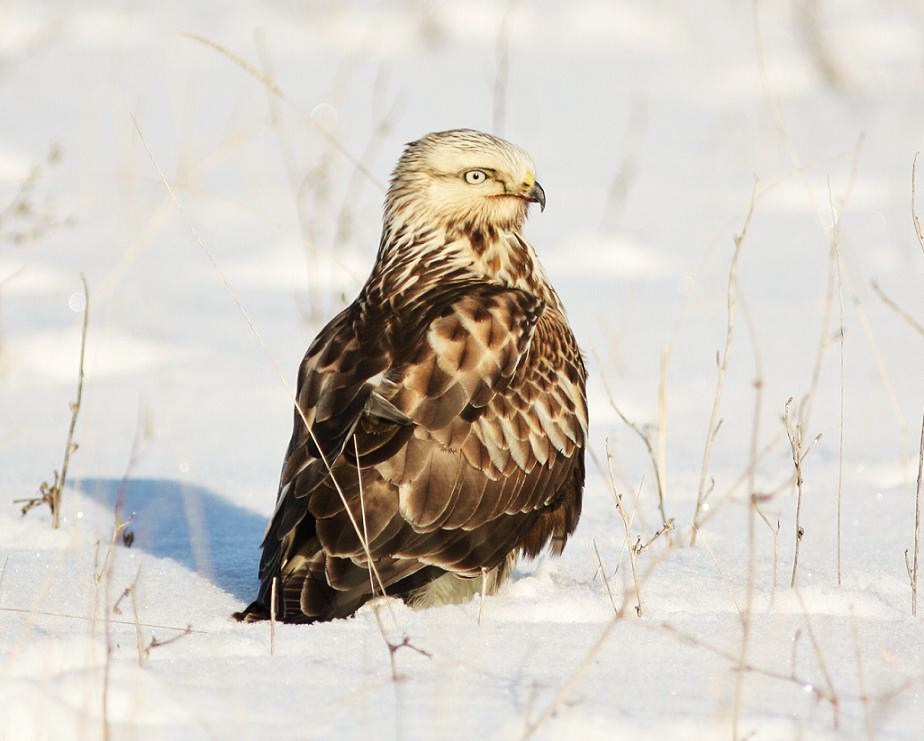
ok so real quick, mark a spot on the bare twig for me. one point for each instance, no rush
(662, 434)
(753, 510)
(139, 637)
(646, 440)
(633, 555)
(898, 309)
(273, 617)
(130, 592)
(393, 647)
(825, 694)
(50, 494)
(912, 567)
(563, 692)
(68, 616)
(157, 644)
(598, 562)
(713, 427)
(836, 257)
(484, 591)
(918, 232)
(795, 434)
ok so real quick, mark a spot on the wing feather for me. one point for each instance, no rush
(468, 437)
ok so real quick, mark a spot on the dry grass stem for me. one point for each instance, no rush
(918, 232)
(273, 616)
(549, 710)
(723, 576)
(915, 324)
(598, 562)
(912, 566)
(884, 374)
(393, 648)
(836, 257)
(661, 469)
(714, 422)
(155, 643)
(68, 616)
(633, 554)
(484, 592)
(794, 432)
(746, 616)
(646, 440)
(825, 694)
(50, 494)
(131, 592)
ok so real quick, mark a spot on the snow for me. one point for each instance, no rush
(648, 121)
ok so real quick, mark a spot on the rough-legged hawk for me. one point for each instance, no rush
(442, 415)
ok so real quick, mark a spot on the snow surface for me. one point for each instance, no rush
(648, 120)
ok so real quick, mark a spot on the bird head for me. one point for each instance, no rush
(463, 177)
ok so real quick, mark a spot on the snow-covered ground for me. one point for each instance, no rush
(648, 120)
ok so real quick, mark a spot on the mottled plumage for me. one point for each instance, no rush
(446, 404)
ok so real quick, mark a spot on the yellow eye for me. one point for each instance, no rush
(475, 177)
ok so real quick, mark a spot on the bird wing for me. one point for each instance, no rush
(459, 443)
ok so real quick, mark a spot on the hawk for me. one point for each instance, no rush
(441, 417)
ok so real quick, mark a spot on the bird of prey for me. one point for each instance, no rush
(441, 417)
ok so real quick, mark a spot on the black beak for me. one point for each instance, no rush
(536, 195)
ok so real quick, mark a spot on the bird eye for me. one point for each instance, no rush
(475, 177)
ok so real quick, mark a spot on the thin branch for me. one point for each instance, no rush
(713, 427)
(912, 567)
(393, 648)
(157, 644)
(50, 494)
(746, 617)
(633, 555)
(273, 616)
(795, 434)
(661, 469)
(565, 689)
(139, 636)
(67, 616)
(646, 440)
(602, 571)
(918, 232)
(898, 309)
(836, 256)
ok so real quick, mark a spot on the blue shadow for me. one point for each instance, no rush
(191, 525)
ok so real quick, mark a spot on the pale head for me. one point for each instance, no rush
(463, 177)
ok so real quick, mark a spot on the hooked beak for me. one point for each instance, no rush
(536, 195)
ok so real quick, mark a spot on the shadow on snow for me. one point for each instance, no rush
(191, 525)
